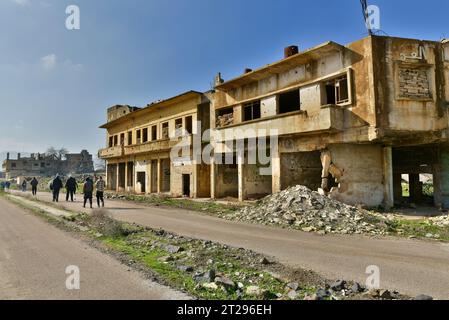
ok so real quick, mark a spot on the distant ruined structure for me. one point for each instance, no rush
(45, 166)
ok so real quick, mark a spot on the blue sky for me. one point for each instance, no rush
(56, 84)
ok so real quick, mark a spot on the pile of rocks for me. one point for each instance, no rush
(300, 208)
(442, 221)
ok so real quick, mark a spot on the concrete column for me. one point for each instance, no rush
(444, 176)
(241, 176)
(148, 177)
(415, 188)
(275, 169)
(438, 199)
(159, 176)
(117, 185)
(213, 171)
(387, 154)
(106, 178)
(126, 176)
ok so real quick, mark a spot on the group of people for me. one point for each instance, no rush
(71, 187)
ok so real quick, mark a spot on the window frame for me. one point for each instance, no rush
(251, 105)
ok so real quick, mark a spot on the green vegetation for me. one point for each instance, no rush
(422, 228)
(210, 207)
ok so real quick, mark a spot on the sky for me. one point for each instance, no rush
(56, 84)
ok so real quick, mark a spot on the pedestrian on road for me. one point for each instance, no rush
(71, 186)
(88, 190)
(24, 185)
(100, 191)
(34, 183)
(56, 187)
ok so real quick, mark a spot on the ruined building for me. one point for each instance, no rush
(351, 120)
(140, 142)
(41, 165)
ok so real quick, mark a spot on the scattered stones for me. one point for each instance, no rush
(423, 297)
(255, 291)
(321, 294)
(208, 276)
(210, 286)
(293, 286)
(356, 288)
(185, 268)
(264, 261)
(338, 285)
(310, 211)
(227, 283)
(385, 295)
(292, 294)
(166, 259)
(173, 249)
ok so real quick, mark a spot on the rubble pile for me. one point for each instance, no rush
(300, 208)
(442, 221)
(225, 120)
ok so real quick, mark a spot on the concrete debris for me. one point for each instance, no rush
(310, 211)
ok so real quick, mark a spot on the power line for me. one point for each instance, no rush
(366, 16)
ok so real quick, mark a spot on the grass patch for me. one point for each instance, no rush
(419, 229)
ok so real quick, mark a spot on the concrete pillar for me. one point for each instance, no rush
(148, 177)
(126, 176)
(213, 171)
(106, 178)
(387, 154)
(444, 176)
(437, 195)
(117, 184)
(416, 189)
(159, 176)
(241, 176)
(275, 169)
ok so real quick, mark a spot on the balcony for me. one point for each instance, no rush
(113, 152)
(329, 119)
(147, 147)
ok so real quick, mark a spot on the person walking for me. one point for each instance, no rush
(34, 183)
(100, 186)
(24, 185)
(88, 190)
(71, 186)
(56, 186)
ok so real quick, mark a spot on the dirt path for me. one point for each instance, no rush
(34, 256)
(410, 266)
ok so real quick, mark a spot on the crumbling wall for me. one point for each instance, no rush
(301, 168)
(414, 83)
(256, 185)
(362, 174)
(226, 181)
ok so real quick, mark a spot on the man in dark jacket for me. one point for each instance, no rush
(88, 190)
(34, 184)
(56, 187)
(70, 187)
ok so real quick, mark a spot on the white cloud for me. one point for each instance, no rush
(22, 2)
(50, 61)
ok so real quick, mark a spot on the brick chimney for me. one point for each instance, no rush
(291, 51)
(7, 156)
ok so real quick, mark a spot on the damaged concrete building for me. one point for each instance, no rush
(140, 143)
(350, 120)
(42, 165)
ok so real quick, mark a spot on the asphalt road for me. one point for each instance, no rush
(411, 266)
(34, 256)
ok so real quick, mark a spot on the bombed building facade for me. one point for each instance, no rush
(350, 121)
(42, 165)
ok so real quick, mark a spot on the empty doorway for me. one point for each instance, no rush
(186, 185)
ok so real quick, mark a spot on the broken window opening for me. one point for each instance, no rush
(130, 138)
(111, 142)
(289, 102)
(115, 140)
(178, 127)
(165, 132)
(225, 117)
(145, 135)
(122, 139)
(189, 125)
(138, 136)
(153, 133)
(337, 91)
(251, 111)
